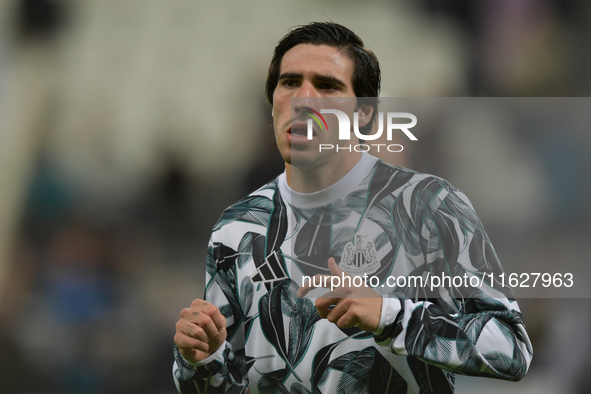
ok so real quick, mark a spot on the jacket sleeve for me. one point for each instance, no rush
(474, 328)
(225, 370)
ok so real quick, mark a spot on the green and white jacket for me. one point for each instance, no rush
(399, 223)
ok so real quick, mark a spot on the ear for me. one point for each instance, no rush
(365, 112)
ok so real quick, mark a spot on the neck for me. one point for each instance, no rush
(318, 177)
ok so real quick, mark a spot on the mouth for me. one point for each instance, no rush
(299, 131)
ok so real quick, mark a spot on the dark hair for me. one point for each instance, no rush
(366, 71)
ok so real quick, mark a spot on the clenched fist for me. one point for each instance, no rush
(200, 331)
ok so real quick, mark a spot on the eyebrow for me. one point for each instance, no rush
(320, 78)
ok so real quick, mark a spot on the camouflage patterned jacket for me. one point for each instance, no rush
(402, 222)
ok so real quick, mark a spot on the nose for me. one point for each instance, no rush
(307, 90)
(305, 96)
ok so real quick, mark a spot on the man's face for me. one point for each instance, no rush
(309, 72)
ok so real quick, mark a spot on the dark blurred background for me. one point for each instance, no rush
(126, 127)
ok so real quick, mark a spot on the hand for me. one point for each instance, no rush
(200, 331)
(353, 306)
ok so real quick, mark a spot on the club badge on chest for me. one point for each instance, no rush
(360, 257)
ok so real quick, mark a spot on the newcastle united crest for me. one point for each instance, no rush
(361, 257)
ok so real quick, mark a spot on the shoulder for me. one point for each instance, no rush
(414, 185)
(254, 209)
(419, 198)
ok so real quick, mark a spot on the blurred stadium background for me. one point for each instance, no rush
(127, 126)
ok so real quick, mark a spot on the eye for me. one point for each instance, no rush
(327, 86)
(289, 83)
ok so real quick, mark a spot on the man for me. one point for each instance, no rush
(257, 332)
